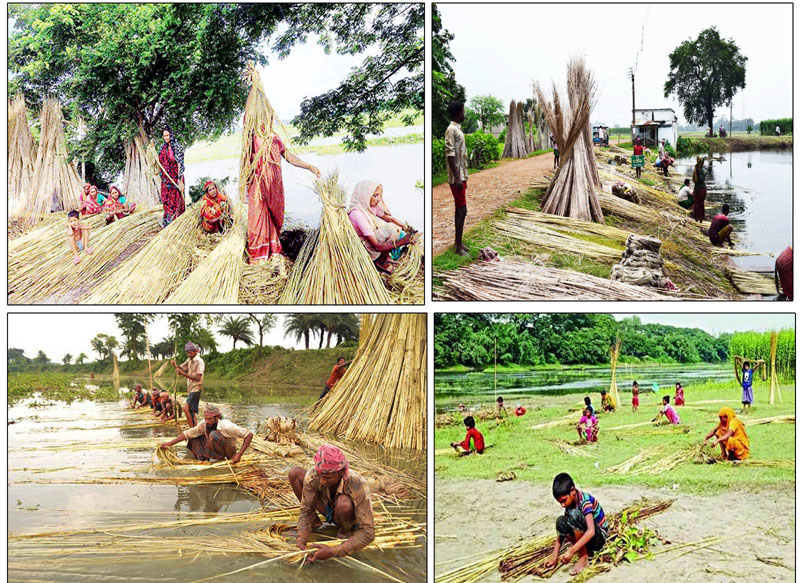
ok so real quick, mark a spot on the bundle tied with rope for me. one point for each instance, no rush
(283, 432)
(21, 151)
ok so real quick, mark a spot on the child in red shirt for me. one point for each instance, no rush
(472, 434)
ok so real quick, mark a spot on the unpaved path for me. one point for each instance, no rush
(482, 515)
(487, 190)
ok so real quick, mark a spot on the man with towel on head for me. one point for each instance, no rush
(340, 495)
(193, 369)
(214, 438)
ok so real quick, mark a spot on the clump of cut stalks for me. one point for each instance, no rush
(529, 558)
(216, 279)
(157, 269)
(516, 145)
(573, 448)
(381, 398)
(748, 282)
(141, 181)
(333, 266)
(531, 232)
(40, 266)
(264, 282)
(55, 184)
(21, 152)
(516, 280)
(571, 193)
(407, 281)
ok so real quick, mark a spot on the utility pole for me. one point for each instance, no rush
(633, 102)
(730, 121)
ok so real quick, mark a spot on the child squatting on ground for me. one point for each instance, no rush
(583, 524)
(587, 426)
(668, 411)
(78, 236)
(472, 434)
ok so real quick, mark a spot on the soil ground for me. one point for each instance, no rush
(474, 516)
(487, 191)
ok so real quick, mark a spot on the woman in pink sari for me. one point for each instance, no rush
(265, 200)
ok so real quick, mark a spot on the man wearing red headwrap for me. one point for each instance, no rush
(341, 496)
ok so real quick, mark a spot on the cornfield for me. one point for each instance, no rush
(756, 346)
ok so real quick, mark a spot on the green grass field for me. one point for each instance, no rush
(530, 454)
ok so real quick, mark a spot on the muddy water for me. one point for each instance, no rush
(477, 385)
(35, 506)
(758, 187)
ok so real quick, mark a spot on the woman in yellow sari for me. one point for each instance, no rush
(731, 436)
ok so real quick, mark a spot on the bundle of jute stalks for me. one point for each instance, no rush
(21, 151)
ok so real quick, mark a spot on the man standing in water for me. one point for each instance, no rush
(341, 496)
(193, 369)
(455, 152)
(214, 438)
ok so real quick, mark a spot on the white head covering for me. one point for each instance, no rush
(361, 198)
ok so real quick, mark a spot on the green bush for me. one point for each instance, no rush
(767, 126)
(196, 190)
(688, 146)
(485, 143)
(438, 163)
(502, 137)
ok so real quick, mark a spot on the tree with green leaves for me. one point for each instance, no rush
(81, 358)
(134, 333)
(489, 110)
(16, 356)
(238, 329)
(300, 326)
(206, 340)
(189, 327)
(104, 345)
(705, 73)
(264, 323)
(443, 79)
(67, 358)
(41, 358)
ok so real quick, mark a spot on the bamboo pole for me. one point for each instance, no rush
(615, 350)
(773, 370)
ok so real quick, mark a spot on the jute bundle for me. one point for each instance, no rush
(773, 371)
(571, 193)
(381, 398)
(216, 280)
(141, 183)
(115, 374)
(263, 282)
(614, 353)
(516, 145)
(21, 152)
(408, 279)
(515, 280)
(568, 225)
(153, 273)
(282, 430)
(42, 270)
(748, 282)
(55, 184)
(530, 232)
(333, 266)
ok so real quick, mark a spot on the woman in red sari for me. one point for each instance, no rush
(170, 159)
(265, 200)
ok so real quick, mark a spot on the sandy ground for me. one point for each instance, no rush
(483, 515)
(487, 190)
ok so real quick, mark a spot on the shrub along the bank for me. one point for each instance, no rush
(486, 143)
(767, 126)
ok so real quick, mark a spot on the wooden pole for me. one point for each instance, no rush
(615, 350)
(495, 368)
(149, 361)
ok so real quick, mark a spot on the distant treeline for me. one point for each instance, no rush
(549, 339)
(756, 345)
(768, 126)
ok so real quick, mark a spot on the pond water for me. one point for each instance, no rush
(475, 386)
(398, 167)
(36, 507)
(758, 187)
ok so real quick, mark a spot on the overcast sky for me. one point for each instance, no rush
(718, 323)
(59, 334)
(500, 49)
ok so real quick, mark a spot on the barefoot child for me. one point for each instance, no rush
(679, 398)
(583, 524)
(78, 236)
(668, 412)
(607, 402)
(747, 385)
(588, 402)
(587, 426)
(635, 396)
(472, 434)
(500, 410)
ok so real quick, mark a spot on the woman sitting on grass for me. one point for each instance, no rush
(731, 436)
(669, 413)
(474, 435)
(587, 426)
(382, 234)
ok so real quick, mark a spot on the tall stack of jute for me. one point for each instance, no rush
(21, 152)
(572, 193)
(516, 145)
(141, 183)
(381, 398)
(55, 184)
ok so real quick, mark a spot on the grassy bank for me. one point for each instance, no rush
(533, 457)
(272, 366)
(513, 368)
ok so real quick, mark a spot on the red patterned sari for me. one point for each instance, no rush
(265, 200)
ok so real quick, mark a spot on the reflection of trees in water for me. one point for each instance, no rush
(209, 499)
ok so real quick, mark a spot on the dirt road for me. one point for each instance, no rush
(482, 515)
(486, 191)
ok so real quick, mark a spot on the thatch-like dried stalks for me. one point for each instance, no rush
(614, 353)
(21, 152)
(381, 399)
(157, 269)
(516, 145)
(40, 267)
(264, 282)
(55, 184)
(748, 282)
(572, 190)
(216, 280)
(142, 182)
(333, 266)
(531, 232)
(407, 281)
(568, 225)
(515, 280)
